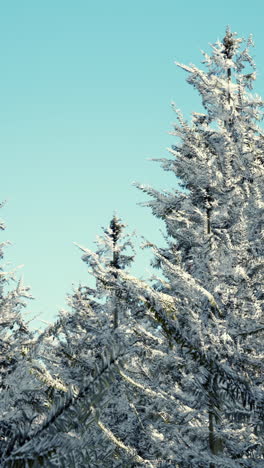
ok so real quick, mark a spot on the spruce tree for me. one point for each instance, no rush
(20, 399)
(210, 304)
(94, 324)
(131, 424)
(37, 411)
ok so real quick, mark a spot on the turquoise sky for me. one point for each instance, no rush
(85, 93)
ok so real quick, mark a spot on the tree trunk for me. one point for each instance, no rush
(215, 442)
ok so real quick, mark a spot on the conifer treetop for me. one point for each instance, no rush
(224, 87)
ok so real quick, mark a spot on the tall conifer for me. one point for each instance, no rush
(211, 303)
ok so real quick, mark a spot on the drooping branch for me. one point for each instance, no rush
(90, 390)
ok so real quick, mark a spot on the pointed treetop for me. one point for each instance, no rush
(115, 228)
(230, 43)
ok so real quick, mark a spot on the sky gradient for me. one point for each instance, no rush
(85, 94)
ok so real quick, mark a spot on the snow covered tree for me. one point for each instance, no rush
(14, 337)
(132, 427)
(92, 326)
(37, 411)
(95, 312)
(19, 403)
(210, 304)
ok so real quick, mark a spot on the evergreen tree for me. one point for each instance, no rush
(37, 411)
(211, 302)
(19, 404)
(131, 426)
(93, 325)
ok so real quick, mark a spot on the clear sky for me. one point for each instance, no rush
(85, 94)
